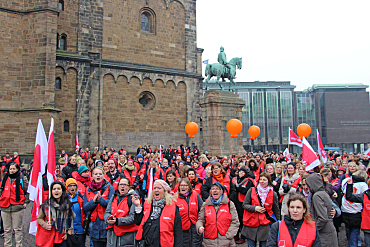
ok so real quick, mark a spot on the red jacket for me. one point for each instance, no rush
(255, 219)
(121, 210)
(166, 223)
(216, 222)
(8, 197)
(188, 212)
(305, 237)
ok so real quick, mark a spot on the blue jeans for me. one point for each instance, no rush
(367, 239)
(252, 243)
(353, 236)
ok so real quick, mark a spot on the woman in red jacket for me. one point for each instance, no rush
(297, 228)
(195, 181)
(189, 204)
(172, 181)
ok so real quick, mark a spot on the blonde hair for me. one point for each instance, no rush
(349, 164)
(203, 156)
(168, 198)
(361, 174)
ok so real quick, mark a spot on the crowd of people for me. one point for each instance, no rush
(179, 197)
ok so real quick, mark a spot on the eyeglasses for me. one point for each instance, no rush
(72, 185)
(123, 185)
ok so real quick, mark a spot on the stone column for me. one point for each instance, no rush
(218, 107)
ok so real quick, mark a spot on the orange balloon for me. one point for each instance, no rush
(254, 131)
(303, 130)
(234, 127)
(191, 129)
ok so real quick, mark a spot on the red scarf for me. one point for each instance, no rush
(86, 181)
(193, 181)
(94, 186)
(219, 178)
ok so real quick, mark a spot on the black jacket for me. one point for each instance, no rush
(67, 171)
(293, 228)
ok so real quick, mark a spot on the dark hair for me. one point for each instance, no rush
(174, 181)
(65, 204)
(266, 175)
(121, 177)
(14, 164)
(191, 169)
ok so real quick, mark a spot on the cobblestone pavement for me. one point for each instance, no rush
(29, 240)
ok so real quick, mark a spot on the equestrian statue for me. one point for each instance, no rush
(223, 69)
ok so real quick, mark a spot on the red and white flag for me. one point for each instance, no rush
(287, 155)
(77, 144)
(39, 163)
(51, 167)
(309, 158)
(294, 139)
(160, 153)
(367, 152)
(321, 150)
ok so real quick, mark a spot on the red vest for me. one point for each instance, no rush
(200, 172)
(16, 160)
(216, 223)
(306, 235)
(121, 210)
(365, 213)
(294, 185)
(131, 177)
(7, 160)
(8, 197)
(254, 219)
(99, 210)
(116, 182)
(188, 212)
(166, 223)
(156, 177)
(198, 187)
(47, 238)
(241, 196)
(225, 182)
(174, 190)
(81, 188)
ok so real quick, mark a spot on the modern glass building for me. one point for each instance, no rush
(341, 113)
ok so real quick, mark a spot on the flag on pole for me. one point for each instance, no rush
(35, 186)
(321, 150)
(39, 161)
(51, 167)
(150, 182)
(206, 61)
(309, 158)
(77, 145)
(287, 155)
(294, 139)
(160, 153)
(367, 152)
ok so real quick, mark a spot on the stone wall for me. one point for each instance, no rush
(65, 100)
(123, 39)
(68, 23)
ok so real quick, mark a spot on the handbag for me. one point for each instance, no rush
(72, 240)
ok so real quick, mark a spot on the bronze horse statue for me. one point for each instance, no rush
(223, 72)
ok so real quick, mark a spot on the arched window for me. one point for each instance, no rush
(61, 5)
(63, 42)
(147, 16)
(58, 83)
(66, 126)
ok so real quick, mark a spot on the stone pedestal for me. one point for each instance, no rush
(218, 107)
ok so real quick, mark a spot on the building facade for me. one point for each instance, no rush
(341, 113)
(112, 72)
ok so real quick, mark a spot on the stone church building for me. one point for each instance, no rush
(115, 72)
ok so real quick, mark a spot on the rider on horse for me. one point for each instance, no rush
(222, 60)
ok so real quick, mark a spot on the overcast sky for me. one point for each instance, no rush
(305, 42)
